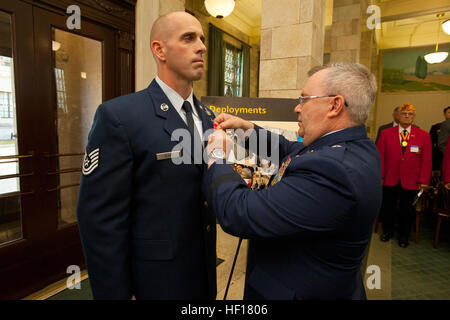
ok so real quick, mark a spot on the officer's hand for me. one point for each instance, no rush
(423, 186)
(447, 186)
(133, 298)
(218, 140)
(228, 121)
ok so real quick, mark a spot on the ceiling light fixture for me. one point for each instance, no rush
(446, 27)
(437, 57)
(219, 8)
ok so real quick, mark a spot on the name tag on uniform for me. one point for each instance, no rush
(415, 149)
(168, 155)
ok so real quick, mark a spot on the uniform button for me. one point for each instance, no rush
(208, 228)
(205, 204)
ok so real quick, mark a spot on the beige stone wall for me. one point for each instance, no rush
(254, 70)
(346, 31)
(147, 11)
(292, 38)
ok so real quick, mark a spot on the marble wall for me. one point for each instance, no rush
(292, 40)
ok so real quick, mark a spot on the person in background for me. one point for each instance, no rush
(394, 123)
(434, 134)
(444, 134)
(405, 153)
(247, 176)
(446, 165)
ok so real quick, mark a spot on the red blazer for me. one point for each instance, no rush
(411, 168)
(446, 163)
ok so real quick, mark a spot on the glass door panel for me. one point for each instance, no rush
(10, 208)
(77, 64)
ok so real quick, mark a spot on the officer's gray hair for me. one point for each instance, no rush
(355, 83)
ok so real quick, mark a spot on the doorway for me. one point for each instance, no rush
(52, 79)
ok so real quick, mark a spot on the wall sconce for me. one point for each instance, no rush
(437, 57)
(83, 75)
(56, 45)
(219, 8)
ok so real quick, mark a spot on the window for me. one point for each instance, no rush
(60, 89)
(233, 71)
(228, 65)
(6, 95)
(6, 105)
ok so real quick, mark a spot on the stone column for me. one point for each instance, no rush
(147, 11)
(292, 38)
(346, 31)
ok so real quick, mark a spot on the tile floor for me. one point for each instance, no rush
(421, 272)
(418, 272)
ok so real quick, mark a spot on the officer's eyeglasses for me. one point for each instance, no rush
(303, 99)
(409, 114)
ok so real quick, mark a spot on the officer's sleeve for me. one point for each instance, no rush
(104, 207)
(269, 145)
(314, 198)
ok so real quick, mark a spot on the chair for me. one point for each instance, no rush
(427, 201)
(441, 209)
(424, 205)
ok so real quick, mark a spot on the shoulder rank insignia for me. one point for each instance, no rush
(337, 146)
(90, 162)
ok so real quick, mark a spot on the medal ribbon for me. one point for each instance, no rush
(404, 136)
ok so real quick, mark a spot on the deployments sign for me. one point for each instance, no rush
(260, 109)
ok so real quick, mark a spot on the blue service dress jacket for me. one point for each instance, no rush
(145, 227)
(309, 231)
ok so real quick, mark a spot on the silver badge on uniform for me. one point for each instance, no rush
(168, 155)
(90, 162)
(164, 107)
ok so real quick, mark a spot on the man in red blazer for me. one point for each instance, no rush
(405, 153)
(446, 165)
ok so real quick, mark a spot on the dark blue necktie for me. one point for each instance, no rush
(195, 138)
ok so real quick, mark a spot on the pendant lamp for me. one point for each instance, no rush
(438, 56)
(219, 8)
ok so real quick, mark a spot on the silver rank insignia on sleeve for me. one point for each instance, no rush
(90, 162)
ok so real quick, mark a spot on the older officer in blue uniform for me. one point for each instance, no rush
(309, 230)
(145, 229)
